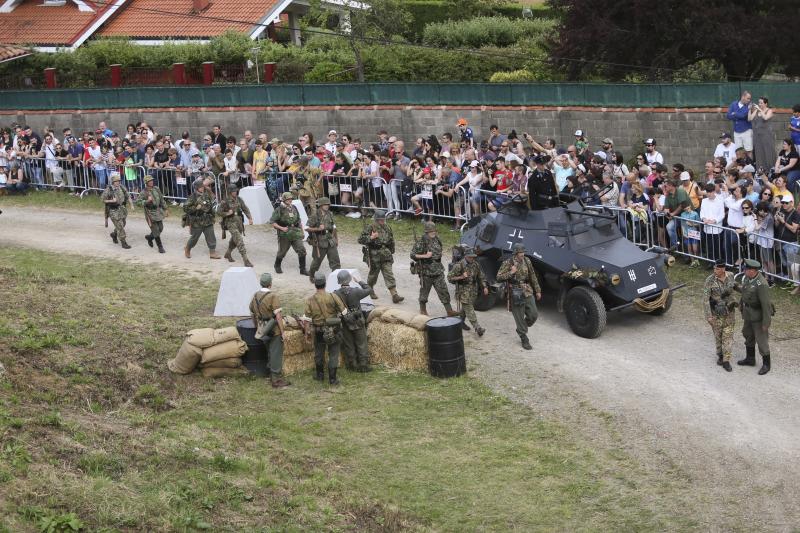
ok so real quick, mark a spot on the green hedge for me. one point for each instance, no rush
(486, 31)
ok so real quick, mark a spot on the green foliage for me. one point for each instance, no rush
(514, 76)
(486, 31)
(59, 523)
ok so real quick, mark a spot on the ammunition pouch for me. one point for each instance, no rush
(720, 309)
(112, 205)
(413, 268)
(353, 320)
(331, 331)
(518, 296)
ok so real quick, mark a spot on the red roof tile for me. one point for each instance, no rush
(9, 52)
(146, 19)
(32, 23)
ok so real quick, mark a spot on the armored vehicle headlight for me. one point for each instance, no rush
(615, 279)
(669, 260)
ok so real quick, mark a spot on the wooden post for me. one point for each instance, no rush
(208, 73)
(269, 72)
(116, 75)
(50, 78)
(179, 73)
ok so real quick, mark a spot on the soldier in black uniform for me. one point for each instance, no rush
(542, 186)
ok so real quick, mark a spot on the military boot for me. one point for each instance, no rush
(161, 249)
(480, 331)
(125, 245)
(187, 252)
(423, 309)
(373, 295)
(764, 366)
(332, 376)
(278, 265)
(727, 366)
(303, 271)
(365, 368)
(525, 342)
(450, 311)
(278, 382)
(228, 255)
(212, 254)
(464, 325)
(749, 358)
(113, 236)
(149, 239)
(320, 373)
(396, 298)
(247, 262)
(719, 359)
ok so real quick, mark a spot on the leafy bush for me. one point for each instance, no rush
(514, 76)
(486, 31)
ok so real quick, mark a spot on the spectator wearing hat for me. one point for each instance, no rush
(581, 144)
(738, 113)
(542, 188)
(726, 148)
(607, 150)
(787, 223)
(467, 135)
(330, 145)
(652, 155)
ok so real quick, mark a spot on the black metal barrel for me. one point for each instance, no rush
(255, 359)
(446, 347)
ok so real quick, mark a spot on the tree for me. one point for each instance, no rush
(363, 23)
(615, 38)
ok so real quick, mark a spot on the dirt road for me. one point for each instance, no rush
(648, 387)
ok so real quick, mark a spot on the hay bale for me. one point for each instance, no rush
(377, 313)
(295, 343)
(186, 360)
(291, 323)
(223, 372)
(397, 346)
(298, 362)
(231, 362)
(234, 348)
(202, 338)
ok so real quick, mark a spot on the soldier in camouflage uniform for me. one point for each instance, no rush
(286, 221)
(469, 279)
(265, 306)
(354, 327)
(117, 199)
(155, 209)
(232, 209)
(757, 310)
(518, 271)
(199, 215)
(307, 184)
(325, 310)
(719, 307)
(378, 243)
(427, 255)
(322, 237)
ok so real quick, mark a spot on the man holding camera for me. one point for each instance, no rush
(719, 306)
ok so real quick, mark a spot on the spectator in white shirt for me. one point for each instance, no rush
(726, 149)
(735, 221)
(330, 146)
(651, 154)
(712, 213)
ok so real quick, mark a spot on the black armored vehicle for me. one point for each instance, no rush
(577, 250)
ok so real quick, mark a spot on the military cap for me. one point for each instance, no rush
(470, 252)
(720, 264)
(197, 183)
(266, 279)
(519, 247)
(323, 201)
(344, 277)
(287, 196)
(429, 227)
(319, 279)
(148, 178)
(115, 177)
(232, 189)
(380, 214)
(752, 263)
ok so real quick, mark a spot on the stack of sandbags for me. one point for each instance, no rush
(218, 353)
(397, 338)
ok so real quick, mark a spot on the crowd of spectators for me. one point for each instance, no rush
(735, 207)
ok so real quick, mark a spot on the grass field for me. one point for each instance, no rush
(96, 434)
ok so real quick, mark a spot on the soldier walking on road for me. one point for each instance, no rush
(757, 311)
(155, 210)
(286, 221)
(469, 279)
(518, 272)
(325, 310)
(199, 216)
(378, 243)
(117, 199)
(322, 237)
(265, 306)
(232, 210)
(354, 330)
(719, 306)
(427, 255)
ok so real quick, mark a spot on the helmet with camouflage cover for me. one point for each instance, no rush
(380, 214)
(232, 189)
(429, 227)
(287, 196)
(519, 247)
(323, 201)
(470, 252)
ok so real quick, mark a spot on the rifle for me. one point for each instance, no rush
(413, 266)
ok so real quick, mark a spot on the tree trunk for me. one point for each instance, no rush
(359, 61)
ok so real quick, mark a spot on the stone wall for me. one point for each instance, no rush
(687, 136)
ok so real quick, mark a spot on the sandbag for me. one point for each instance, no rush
(202, 338)
(376, 313)
(397, 316)
(231, 362)
(186, 360)
(226, 350)
(226, 334)
(223, 372)
(419, 322)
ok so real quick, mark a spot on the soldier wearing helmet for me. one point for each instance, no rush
(322, 237)
(520, 277)
(354, 327)
(286, 221)
(117, 200)
(427, 256)
(378, 242)
(325, 311)
(233, 210)
(469, 280)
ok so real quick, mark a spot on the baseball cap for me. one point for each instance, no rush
(445, 154)
(473, 164)
(608, 140)
(748, 168)
(578, 133)
(332, 132)
(725, 135)
(582, 168)
(461, 122)
(650, 141)
(787, 198)
(685, 176)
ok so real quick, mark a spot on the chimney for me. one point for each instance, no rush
(198, 6)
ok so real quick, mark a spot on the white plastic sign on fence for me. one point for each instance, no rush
(345, 187)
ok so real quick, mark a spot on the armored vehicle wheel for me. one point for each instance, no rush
(661, 310)
(586, 313)
(484, 303)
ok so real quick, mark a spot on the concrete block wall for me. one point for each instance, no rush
(686, 136)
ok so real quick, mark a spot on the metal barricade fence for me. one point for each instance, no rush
(97, 178)
(634, 224)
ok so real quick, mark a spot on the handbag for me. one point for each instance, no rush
(333, 188)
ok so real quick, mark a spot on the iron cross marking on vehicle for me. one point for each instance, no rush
(515, 234)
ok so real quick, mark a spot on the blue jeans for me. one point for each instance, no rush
(672, 232)
(102, 177)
